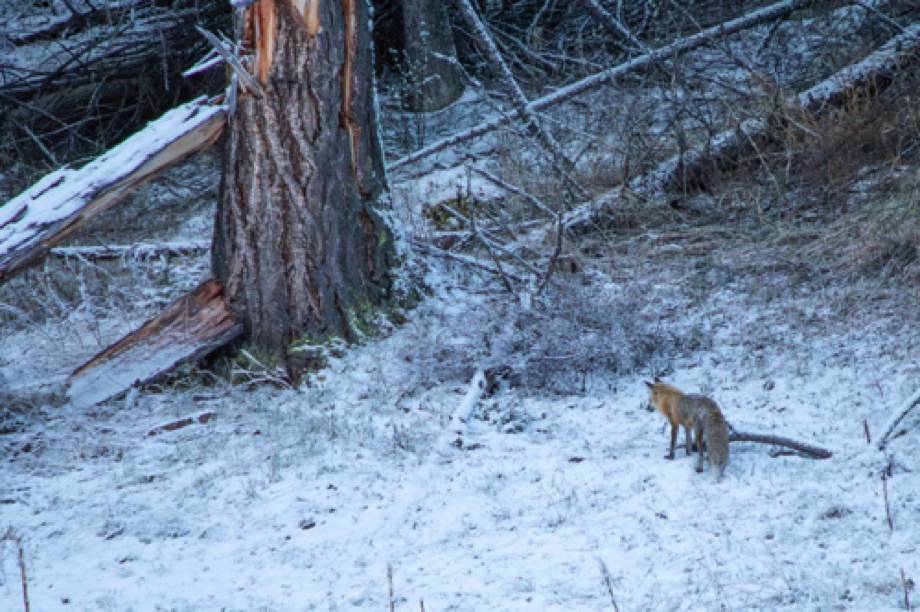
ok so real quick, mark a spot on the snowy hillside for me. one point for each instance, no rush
(300, 500)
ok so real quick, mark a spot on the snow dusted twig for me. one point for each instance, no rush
(885, 494)
(390, 584)
(608, 582)
(515, 190)
(905, 409)
(176, 424)
(488, 244)
(551, 266)
(469, 261)
(667, 52)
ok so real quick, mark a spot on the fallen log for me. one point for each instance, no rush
(65, 200)
(875, 71)
(189, 329)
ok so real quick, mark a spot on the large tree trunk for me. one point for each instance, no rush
(429, 45)
(298, 244)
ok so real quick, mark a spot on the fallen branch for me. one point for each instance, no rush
(135, 251)
(905, 409)
(802, 447)
(469, 261)
(190, 328)
(668, 52)
(32, 223)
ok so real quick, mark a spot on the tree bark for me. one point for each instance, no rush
(429, 45)
(298, 244)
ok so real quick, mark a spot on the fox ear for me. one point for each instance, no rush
(648, 384)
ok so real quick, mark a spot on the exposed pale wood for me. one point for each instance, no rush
(65, 200)
(189, 329)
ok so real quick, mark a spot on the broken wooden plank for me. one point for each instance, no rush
(189, 329)
(60, 203)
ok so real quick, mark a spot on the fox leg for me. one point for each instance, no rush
(687, 439)
(698, 430)
(670, 454)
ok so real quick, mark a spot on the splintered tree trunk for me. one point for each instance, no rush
(429, 47)
(298, 244)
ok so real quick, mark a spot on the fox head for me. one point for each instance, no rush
(654, 389)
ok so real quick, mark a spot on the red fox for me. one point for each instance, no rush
(697, 413)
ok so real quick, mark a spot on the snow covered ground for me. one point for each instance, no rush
(303, 500)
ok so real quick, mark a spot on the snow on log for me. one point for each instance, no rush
(477, 387)
(65, 200)
(190, 328)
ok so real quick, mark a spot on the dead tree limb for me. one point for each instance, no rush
(189, 329)
(32, 223)
(905, 409)
(802, 447)
(665, 53)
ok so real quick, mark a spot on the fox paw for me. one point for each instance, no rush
(669, 457)
(699, 470)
